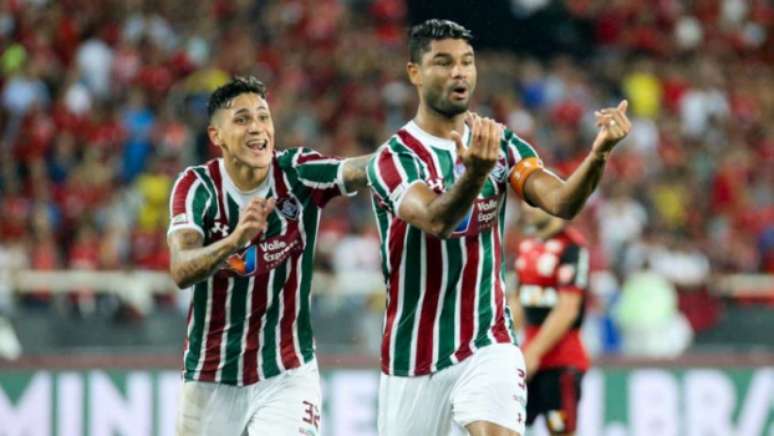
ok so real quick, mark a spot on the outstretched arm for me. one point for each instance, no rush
(191, 262)
(566, 198)
(354, 172)
(440, 214)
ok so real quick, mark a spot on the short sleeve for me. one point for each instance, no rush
(523, 160)
(572, 273)
(321, 175)
(188, 203)
(390, 174)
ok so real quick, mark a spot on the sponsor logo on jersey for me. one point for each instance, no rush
(288, 207)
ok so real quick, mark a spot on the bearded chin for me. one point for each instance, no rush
(446, 107)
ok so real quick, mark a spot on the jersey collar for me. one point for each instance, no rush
(429, 140)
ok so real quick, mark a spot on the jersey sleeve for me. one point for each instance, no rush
(572, 273)
(390, 173)
(188, 203)
(321, 175)
(522, 159)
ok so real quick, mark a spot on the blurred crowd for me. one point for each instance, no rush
(103, 102)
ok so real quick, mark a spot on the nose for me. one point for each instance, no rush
(254, 126)
(458, 71)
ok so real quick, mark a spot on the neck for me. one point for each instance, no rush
(438, 124)
(550, 228)
(244, 177)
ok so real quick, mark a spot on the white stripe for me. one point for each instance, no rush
(399, 309)
(477, 289)
(189, 329)
(418, 308)
(246, 327)
(226, 328)
(298, 266)
(205, 330)
(492, 289)
(262, 327)
(439, 307)
(458, 305)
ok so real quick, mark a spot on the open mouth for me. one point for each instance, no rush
(258, 144)
(459, 91)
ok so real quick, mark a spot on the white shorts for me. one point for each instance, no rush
(284, 405)
(487, 386)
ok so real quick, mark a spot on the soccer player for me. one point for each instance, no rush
(242, 233)
(449, 356)
(552, 268)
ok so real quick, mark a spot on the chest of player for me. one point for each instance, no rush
(284, 236)
(538, 269)
(441, 169)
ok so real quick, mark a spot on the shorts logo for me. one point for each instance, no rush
(288, 207)
(179, 219)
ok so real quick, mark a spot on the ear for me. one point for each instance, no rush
(415, 76)
(214, 134)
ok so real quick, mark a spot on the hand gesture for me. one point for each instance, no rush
(484, 148)
(613, 127)
(252, 220)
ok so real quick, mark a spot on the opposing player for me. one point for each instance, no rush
(242, 233)
(439, 189)
(552, 268)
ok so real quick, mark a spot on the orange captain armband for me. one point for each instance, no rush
(523, 169)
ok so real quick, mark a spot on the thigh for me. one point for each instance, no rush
(290, 405)
(212, 408)
(492, 389)
(410, 406)
(557, 392)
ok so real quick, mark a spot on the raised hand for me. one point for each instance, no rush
(484, 148)
(613, 127)
(252, 220)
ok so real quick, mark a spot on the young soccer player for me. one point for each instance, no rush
(449, 359)
(242, 233)
(552, 269)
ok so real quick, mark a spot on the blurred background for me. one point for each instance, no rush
(103, 102)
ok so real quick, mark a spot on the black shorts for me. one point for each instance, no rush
(554, 393)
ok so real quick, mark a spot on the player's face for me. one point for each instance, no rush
(447, 76)
(245, 131)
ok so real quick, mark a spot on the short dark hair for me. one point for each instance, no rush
(422, 34)
(237, 86)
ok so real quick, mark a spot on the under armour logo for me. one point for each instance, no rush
(220, 228)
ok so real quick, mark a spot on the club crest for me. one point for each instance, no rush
(288, 207)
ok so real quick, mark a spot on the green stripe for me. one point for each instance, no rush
(270, 346)
(404, 341)
(446, 336)
(196, 337)
(383, 221)
(525, 150)
(485, 290)
(204, 176)
(201, 195)
(234, 350)
(446, 166)
(324, 173)
(305, 335)
(407, 161)
(375, 181)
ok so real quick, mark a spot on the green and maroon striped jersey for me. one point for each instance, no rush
(250, 319)
(445, 297)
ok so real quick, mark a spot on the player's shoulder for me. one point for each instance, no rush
(291, 158)
(203, 172)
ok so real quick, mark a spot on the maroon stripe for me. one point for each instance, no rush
(468, 304)
(257, 311)
(429, 311)
(499, 327)
(287, 324)
(217, 180)
(389, 171)
(569, 400)
(181, 193)
(279, 179)
(396, 242)
(417, 147)
(216, 328)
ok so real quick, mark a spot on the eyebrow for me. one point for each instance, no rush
(449, 55)
(246, 110)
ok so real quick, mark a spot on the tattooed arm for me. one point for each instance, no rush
(354, 172)
(191, 262)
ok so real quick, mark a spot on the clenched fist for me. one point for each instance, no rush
(252, 220)
(484, 149)
(613, 126)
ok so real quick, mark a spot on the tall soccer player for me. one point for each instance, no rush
(242, 233)
(552, 269)
(449, 356)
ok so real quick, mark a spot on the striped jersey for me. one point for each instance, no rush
(445, 297)
(250, 319)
